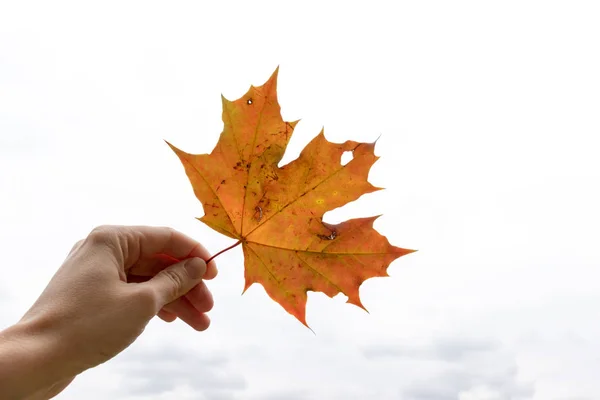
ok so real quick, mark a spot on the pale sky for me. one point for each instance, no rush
(488, 116)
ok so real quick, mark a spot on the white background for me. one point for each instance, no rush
(488, 116)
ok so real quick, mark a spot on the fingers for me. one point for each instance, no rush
(170, 287)
(166, 316)
(200, 298)
(136, 242)
(148, 241)
(151, 249)
(152, 266)
(189, 314)
(167, 263)
(211, 270)
(190, 308)
(175, 281)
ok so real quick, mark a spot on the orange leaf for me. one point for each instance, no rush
(277, 213)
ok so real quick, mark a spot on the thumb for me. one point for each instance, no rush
(175, 281)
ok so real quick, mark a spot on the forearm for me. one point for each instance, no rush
(30, 364)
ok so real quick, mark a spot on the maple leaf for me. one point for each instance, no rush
(277, 213)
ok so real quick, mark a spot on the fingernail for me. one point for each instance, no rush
(195, 267)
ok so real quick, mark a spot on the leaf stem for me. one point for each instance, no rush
(224, 250)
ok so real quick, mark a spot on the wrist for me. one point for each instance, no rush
(31, 361)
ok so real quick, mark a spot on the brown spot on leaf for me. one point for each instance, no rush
(258, 213)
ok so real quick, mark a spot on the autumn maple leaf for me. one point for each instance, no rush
(277, 213)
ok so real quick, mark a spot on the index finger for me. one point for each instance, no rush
(146, 242)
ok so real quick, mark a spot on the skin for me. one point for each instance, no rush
(99, 301)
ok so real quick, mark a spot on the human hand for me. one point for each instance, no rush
(102, 297)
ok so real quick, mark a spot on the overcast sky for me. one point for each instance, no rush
(488, 116)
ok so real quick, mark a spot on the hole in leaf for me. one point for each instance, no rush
(347, 157)
(249, 101)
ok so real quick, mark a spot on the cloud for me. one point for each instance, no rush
(285, 394)
(470, 384)
(456, 368)
(159, 370)
(446, 349)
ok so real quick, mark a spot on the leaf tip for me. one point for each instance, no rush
(224, 100)
(358, 304)
(303, 322)
(272, 81)
(175, 149)
(321, 134)
(402, 252)
(247, 284)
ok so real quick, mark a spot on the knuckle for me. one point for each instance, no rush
(163, 228)
(171, 231)
(176, 280)
(103, 234)
(112, 237)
